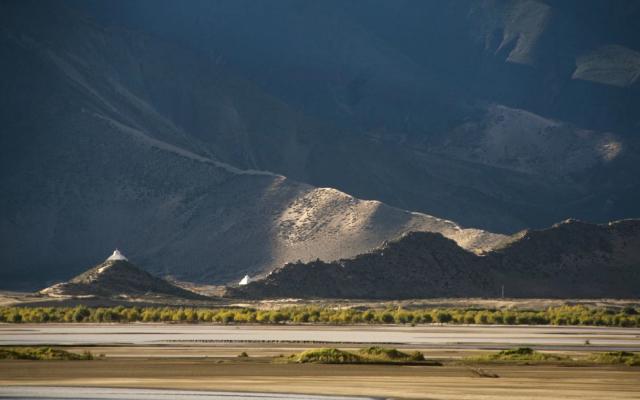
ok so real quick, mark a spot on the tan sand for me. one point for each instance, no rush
(411, 382)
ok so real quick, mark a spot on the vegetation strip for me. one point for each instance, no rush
(520, 354)
(41, 353)
(616, 357)
(563, 315)
(526, 355)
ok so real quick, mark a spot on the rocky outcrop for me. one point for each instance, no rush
(420, 264)
(570, 259)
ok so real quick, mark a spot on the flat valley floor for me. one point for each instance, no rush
(177, 362)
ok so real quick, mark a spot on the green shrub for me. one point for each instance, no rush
(387, 318)
(81, 313)
(481, 318)
(427, 318)
(15, 318)
(443, 317)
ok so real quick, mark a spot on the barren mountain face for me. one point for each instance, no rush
(214, 139)
(95, 164)
(501, 115)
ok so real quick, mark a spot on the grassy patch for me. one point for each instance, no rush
(41, 353)
(616, 357)
(369, 355)
(326, 356)
(384, 354)
(520, 354)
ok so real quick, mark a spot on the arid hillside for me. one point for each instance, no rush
(93, 163)
(569, 260)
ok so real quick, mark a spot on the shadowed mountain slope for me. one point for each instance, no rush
(571, 259)
(491, 114)
(502, 115)
(92, 160)
(414, 266)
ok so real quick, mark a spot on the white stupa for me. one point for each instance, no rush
(244, 280)
(117, 256)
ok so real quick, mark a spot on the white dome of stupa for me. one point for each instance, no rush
(117, 256)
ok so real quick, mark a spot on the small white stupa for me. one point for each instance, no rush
(244, 280)
(117, 256)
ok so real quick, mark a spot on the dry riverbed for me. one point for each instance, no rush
(259, 374)
(205, 357)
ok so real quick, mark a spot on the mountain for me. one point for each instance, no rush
(214, 139)
(502, 115)
(91, 158)
(117, 278)
(570, 259)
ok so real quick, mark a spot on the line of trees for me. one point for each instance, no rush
(565, 315)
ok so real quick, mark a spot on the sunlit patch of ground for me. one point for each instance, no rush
(451, 381)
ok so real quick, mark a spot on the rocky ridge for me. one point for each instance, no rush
(570, 259)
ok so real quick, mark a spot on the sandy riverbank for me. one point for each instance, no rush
(448, 382)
